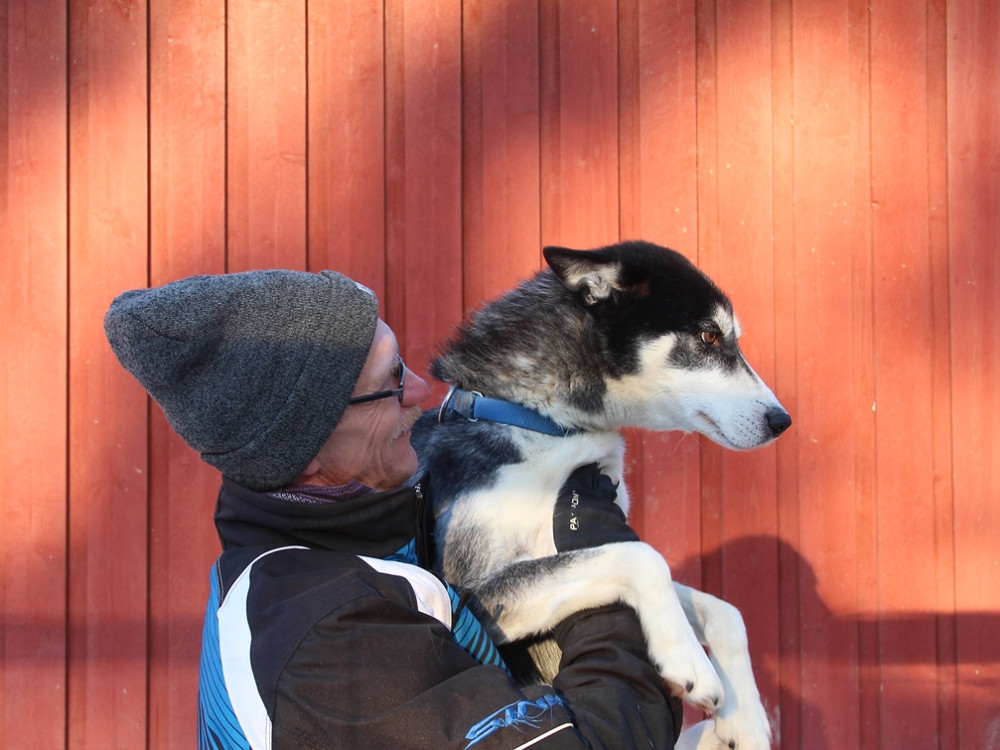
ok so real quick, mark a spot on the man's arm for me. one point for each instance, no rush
(378, 673)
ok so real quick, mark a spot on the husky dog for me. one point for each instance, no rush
(627, 335)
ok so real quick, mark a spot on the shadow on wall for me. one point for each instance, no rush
(822, 663)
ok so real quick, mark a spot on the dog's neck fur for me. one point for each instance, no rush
(516, 353)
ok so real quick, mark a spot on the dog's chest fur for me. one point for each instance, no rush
(498, 485)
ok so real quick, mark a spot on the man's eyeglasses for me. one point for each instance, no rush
(397, 392)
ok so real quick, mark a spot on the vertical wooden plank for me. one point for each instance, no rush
(943, 518)
(187, 237)
(707, 87)
(742, 262)
(107, 408)
(863, 368)
(500, 146)
(739, 515)
(346, 169)
(658, 154)
(825, 162)
(183, 546)
(779, 673)
(974, 272)
(903, 371)
(266, 130)
(424, 163)
(659, 202)
(33, 411)
(579, 97)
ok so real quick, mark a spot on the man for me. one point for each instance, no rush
(324, 627)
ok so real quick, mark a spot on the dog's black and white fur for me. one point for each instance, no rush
(628, 335)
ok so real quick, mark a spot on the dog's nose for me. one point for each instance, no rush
(778, 420)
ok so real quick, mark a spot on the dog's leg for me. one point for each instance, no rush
(700, 736)
(531, 597)
(741, 722)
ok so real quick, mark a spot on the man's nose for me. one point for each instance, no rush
(415, 389)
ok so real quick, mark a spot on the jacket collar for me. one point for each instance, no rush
(395, 524)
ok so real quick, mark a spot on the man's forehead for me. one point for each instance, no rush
(384, 356)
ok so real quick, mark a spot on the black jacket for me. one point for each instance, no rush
(325, 630)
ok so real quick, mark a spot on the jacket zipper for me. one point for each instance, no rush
(425, 525)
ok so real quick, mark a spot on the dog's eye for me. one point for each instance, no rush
(710, 337)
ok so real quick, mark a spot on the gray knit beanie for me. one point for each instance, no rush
(252, 369)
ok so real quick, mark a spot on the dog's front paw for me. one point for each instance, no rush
(700, 736)
(711, 734)
(691, 676)
(741, 724)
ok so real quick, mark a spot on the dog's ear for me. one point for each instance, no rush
(589, 273)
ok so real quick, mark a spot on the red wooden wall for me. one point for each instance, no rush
(832, 163)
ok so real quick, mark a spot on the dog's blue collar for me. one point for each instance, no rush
(474, 406)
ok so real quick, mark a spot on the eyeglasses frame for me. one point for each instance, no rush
(397, 392)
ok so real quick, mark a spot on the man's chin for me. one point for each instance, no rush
(406, 466)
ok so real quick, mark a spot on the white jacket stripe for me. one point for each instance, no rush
(432, 596)
(234, 651)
